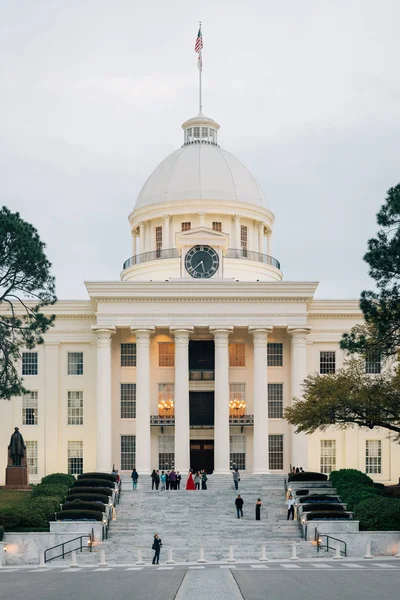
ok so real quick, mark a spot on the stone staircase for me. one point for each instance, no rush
(188, 520)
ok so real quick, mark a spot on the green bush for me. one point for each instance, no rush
(59, 479)
(378, 514)
(90, 490)
(108, 476)
(318, 498)
(87, 498)
(52, 490)
(79, 505)
(79, 515)
(325, 506)
(349, 477)
(354, 494)
(105, 483)
(1, 533)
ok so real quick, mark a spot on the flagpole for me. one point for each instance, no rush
(200, 72)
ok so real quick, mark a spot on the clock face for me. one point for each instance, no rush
(201, 262)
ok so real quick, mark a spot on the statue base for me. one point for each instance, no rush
(17, 478)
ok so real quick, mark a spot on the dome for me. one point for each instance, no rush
(200, 170)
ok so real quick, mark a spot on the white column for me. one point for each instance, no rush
(299, 373)
(182, 427)
(103, 405)
(51, 366)
(237, 232)
(141, 238)
(260, 401)
(269, 243)
(143, 437)
(261, 238)
(134, 238)
(221, 400)
(166, 244)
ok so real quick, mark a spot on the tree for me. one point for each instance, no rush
(346, 398)
(26, 286)
(381, 310)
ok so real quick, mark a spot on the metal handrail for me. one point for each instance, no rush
(148, 256)
(64, 552)
(160, 420)
(251, 255)
(241, 419)
(318, 540)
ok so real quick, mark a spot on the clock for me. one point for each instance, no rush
(201, 262)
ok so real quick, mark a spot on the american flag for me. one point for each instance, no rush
(197, 48)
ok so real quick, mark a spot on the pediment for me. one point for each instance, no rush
(202, 235)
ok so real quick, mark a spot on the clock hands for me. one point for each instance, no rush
(202, 265)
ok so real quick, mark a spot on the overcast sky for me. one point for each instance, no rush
(93, 94)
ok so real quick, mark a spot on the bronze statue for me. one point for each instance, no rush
(17, 447)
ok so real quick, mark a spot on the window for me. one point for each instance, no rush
(275, 400)
(128, 355)
(128, 400)
(75, 408)
(30, 408)
(237, 449)
(166, 354)
(32, 457)
(166, 455)
(373, 363)
(275, 355)
(243, 237)
(158, 240)
(75, 363)
(186, 226)
(75, 458)
(373, 457)
(275, 452)
(29, 363)
(237, 355)
(128, 452)
(196, 132)
(328, 456)
(217, 225)
(327, 362)
(166, 399)
(237, 399)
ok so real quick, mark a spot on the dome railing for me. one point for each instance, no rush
(251, 255)
(173, 253)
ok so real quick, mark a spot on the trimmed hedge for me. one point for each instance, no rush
(63, 479)
(34, 514)
(79, 515)
(318, 498)
(325, 506)
(90, 490)
(1, 533)
(378, 514)
(302, 492)
(51, 490)
(87, 498)
(336, 515)
(79, 505)
(350, 477)
(307, 477)
(108, 476)
(102, 483)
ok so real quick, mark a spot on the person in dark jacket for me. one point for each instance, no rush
(178, 480)
(258, 509)
(134, 477)
(167, 481)
(153, 479)
(239, 506)
(157, 545)
(203, 480)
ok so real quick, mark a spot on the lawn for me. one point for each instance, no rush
(13, 498)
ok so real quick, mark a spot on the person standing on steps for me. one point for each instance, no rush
(167, 481)
(239, 506)
(178, 480)
(157, 545)
(204, 480)
(163, 479)
(172, 480)
(258, 509)
(197, 479)
(157, 479)
(153, 479)
(190, 483)
(290, 508)
(236, 478)
(134, 477)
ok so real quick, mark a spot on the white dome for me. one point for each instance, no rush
(200, 172)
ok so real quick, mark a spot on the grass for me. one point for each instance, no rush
(13, 498)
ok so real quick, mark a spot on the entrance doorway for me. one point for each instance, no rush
(201, 409)
(202, 455)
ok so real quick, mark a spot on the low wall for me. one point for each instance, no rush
(26, 548)
(76, 528)
(2, 554)
(335, 528)
(383, 543)
(300, 510)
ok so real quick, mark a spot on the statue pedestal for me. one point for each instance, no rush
(17, 478)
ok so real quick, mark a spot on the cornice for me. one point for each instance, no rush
(203, 315)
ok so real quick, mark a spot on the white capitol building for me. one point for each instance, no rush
(189, 359)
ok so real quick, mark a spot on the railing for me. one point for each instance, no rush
(148, 256)
(241, 420)
(199, 375)
(79, 545)
(250, 255)
(162, 421)
(320, 545)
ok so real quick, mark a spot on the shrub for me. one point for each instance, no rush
(331, 515)
(59, 479)
(87, 498)
(1, 533)
(89, 490)
(353, 495)
(378, 514)
(79, 515)
(108, 476)
(52, 490)
(318, 498)
(307, 477)
(349, 477)
(322, 506)
(79, 505)
(302, 492)
(104, 483)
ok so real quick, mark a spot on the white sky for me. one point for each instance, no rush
(93, 94)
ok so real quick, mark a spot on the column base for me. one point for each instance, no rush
(261, 472)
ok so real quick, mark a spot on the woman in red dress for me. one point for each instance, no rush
(190, 483)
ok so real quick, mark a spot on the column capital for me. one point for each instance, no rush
(103, 334)
(142, 335)
(181, 334)
(299, 334)
(236, 217)
(260, 335)
(166, 216)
